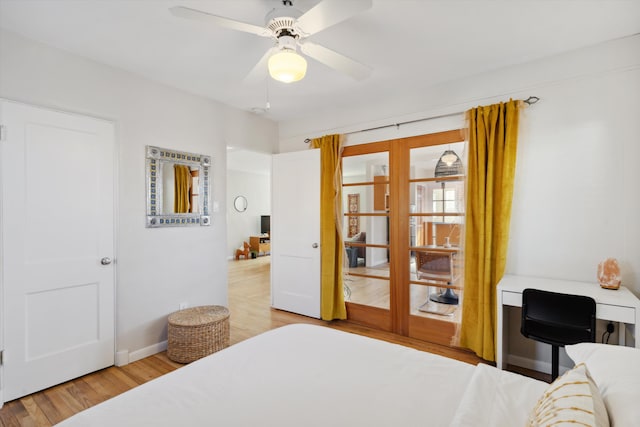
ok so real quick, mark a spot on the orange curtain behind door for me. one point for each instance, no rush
(493, 139)
(332, 304)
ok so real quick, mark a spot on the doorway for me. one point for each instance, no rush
(402, 266)
(248, 200)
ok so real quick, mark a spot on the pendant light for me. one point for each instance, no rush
(449, 164)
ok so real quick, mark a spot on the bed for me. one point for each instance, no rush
(305, 375)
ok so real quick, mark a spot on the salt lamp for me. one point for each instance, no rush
(609, 274)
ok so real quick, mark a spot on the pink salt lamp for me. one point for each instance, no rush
(609, 274)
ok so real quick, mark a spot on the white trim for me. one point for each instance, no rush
(147, 351)
(122, 358)
(2, 315)
(116, 229)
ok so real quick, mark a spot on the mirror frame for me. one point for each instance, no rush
(156, 158)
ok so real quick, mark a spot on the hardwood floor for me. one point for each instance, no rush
(375, 292)
(251, 314)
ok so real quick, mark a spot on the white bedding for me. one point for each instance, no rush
(303, 375)
(497, 398)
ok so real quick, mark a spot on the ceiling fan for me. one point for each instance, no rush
(290, 28)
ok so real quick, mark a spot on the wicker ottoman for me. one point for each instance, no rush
(197, 332)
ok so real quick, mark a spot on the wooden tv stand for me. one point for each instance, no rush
(260, 244)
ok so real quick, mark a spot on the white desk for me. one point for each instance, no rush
(619, 305)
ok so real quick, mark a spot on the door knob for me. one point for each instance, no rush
(105, 261)
(315, 245)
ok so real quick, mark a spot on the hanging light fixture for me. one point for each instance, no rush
(287, 65)
(449, 157)
(449, 164)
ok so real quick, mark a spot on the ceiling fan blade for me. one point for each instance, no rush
(328, 13)
(259, 71)
(187, 12)
(336, 60)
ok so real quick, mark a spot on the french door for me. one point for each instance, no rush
(403, 229)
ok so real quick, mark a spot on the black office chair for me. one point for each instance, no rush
(557, 319)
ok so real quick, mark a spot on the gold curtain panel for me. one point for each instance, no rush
(182, 187)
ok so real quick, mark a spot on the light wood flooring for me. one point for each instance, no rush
(249, 304)
(375, 292)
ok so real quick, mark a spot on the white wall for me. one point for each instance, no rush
(576, 199)
(257, 189)
(156, 268)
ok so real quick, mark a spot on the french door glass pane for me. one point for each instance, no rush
(364, 167)
(365, 228)
(436, 225)
(422, 305)
(367, 291)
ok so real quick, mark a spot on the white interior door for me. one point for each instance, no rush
(57, 231)
(295, 232)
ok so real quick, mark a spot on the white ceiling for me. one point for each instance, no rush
(409, 44)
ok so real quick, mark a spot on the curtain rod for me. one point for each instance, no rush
(530, 101)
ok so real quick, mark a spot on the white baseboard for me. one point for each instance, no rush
(536, 365)
(140, 354)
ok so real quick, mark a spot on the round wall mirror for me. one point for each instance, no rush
(240, 203)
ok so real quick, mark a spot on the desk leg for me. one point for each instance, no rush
(633, 331)
(500, 362)
(622, 333)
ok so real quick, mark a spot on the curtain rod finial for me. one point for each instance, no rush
(307, 140)
(532, 100)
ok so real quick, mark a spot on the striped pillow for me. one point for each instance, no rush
(571, 400)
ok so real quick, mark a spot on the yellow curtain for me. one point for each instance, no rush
(332, 246)
(493, 138)
(182, 185)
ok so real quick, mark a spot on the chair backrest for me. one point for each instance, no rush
(432, 265)
(436, 262)
(556, 318)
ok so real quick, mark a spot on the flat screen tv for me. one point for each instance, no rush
(265, 224)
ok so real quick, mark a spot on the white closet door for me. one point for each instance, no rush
(57, 244)
(295, 232)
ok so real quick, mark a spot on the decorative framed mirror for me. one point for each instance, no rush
(240, 203)
(178, 189)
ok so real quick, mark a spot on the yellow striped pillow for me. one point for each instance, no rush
(571, 400)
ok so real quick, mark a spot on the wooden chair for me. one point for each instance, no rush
(244, 251)
(438, 267)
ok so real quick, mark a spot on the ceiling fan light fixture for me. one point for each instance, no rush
(287, 66)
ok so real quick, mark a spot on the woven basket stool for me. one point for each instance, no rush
(197, 332)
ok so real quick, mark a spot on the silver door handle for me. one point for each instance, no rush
(105, 261)
(315, 245)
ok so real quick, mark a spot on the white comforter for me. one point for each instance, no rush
(303, 375)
